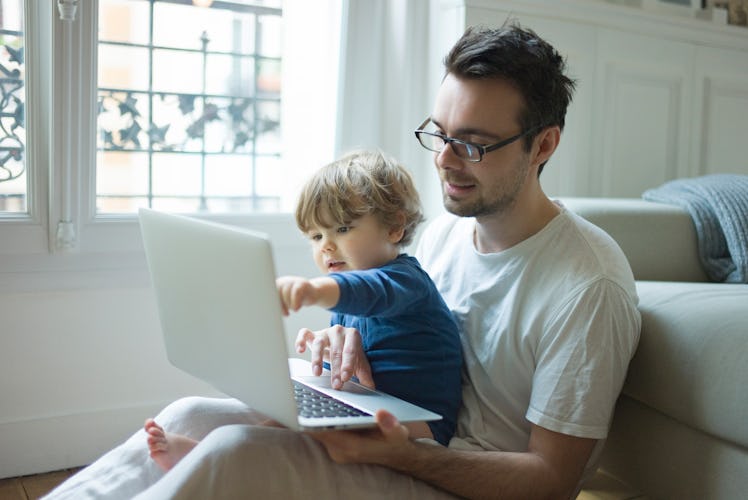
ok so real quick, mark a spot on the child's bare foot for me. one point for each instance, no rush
(166, 449)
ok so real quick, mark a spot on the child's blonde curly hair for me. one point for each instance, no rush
(361, 183)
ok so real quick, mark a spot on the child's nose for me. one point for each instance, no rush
(328, 244)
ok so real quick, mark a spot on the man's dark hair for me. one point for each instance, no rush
(520, 57)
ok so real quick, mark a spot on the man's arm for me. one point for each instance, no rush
(550, 468)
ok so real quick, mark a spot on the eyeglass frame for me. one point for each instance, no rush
(482, 149)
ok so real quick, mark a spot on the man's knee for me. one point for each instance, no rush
(267, 449)
(273, 462)
(183, 411)
(197, 416)
(258, 440)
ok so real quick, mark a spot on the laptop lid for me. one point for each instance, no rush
(221, 320)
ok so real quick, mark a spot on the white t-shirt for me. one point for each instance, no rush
(548, 328)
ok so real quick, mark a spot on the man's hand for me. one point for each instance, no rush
(342, 348)
(376, 446)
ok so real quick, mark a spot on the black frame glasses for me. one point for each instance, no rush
(465, 150)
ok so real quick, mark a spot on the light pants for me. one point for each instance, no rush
(234, 459)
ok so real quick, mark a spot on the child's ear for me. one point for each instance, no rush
(397, 232)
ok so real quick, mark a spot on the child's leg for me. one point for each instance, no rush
(166, 449)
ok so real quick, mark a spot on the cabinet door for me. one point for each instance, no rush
(642, 106)
(720, 121)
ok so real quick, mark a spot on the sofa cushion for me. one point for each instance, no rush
(692, 359)
(658, 240)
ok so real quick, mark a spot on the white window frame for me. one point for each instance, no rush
(366, 94)
(26, 233)
(62, 242)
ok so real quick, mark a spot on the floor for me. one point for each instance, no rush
(32, 487)
(602, 487)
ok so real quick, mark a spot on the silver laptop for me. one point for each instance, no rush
(221, 320)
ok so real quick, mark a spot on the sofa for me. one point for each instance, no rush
(680, 428)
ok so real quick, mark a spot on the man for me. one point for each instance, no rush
(545, 302)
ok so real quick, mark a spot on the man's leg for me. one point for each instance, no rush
(241, 461)
(128, 469)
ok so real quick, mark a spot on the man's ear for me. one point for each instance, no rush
(546, 143)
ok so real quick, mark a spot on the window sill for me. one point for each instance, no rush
(110, 255)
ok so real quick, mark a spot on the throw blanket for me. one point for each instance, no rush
(718, 205)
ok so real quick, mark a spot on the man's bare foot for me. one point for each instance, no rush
(166, 448)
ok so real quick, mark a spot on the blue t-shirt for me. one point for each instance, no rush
(409, 335)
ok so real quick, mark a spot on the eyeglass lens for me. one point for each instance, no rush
(437, 143)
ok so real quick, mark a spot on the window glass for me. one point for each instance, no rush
(189, 106)
(13, 175)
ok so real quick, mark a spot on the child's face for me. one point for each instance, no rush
(363, 244)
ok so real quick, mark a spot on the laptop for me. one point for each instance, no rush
(221, 320)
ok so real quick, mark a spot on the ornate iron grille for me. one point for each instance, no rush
(224, 129)
(12, 130)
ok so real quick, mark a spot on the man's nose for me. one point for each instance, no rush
(447, 159)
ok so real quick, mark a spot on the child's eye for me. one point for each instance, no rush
(315, 237)
(344, 229)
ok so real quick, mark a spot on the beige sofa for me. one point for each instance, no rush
(680, 428)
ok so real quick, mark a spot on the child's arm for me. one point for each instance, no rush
(296, 292)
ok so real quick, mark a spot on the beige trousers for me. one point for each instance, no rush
(235, 459)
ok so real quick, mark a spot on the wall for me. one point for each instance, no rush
(659, 96)
(82, 362)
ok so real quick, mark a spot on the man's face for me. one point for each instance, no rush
(482, 112)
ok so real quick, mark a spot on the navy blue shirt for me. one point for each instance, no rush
(409, 335)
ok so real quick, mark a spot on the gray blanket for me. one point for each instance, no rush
(718, 205)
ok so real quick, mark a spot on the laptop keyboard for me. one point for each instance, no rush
(314, 404)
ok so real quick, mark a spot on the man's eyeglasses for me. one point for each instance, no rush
(436, 142)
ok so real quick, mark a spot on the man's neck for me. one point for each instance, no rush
(500, 231)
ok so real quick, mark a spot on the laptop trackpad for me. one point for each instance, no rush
(324, 382)
(301, 370)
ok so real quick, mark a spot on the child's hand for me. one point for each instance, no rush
(296, 292)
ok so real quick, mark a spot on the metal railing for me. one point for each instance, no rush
(12, 128)
(137, 124)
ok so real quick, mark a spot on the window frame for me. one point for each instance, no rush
(352, 101)
(106, 249)
(27, 232)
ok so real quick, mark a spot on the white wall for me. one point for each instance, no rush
(81, 360)
(82, 363)
(659, 96)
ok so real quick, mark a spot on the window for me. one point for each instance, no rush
(189, 112)
(70, 214)
(156, 113)
(13, 178)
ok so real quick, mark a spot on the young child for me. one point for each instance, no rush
(358, 212)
